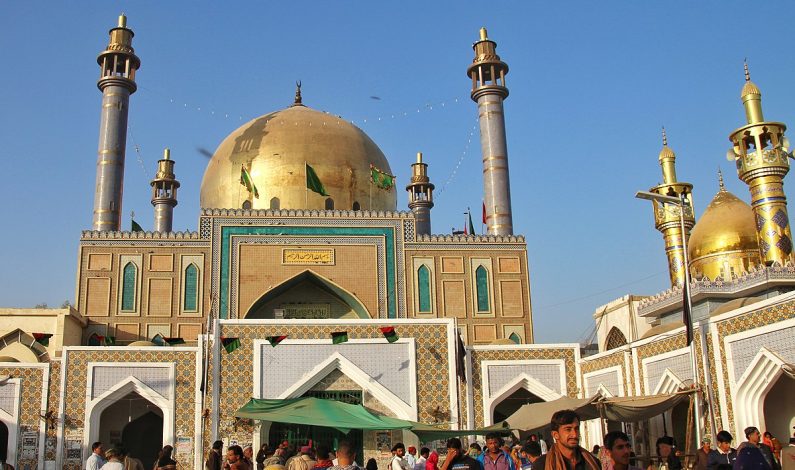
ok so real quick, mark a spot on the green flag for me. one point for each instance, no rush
(471, 227)
(381, 179)
(42, 338)
(338, 337)
(245, 180)
(230, 344)
(313, 182)
(275, 340)
(135, 227)
(389, 333)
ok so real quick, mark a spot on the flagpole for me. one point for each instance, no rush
(306, 186)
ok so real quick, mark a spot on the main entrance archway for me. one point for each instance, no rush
(307, 295)
(137, 424)
(779, 407)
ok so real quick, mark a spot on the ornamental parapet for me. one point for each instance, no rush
(361, 214)
(746, 284)
(119, 235)
(470, 239)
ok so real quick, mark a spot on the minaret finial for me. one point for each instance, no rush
(665, 137)
(297, 94)
(122, 20)
(484, 35)
(747, 73)
(721, 186)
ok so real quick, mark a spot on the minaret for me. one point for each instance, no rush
(420, 196)
(118, 64)
(666, 216)
(164, 193)
(760, 151)
(488, 90)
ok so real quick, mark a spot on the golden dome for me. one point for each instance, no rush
(275, 148)
(723, 241)
(750, 89)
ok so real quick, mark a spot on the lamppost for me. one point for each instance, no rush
(682, 202)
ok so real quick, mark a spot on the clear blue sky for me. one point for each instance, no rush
(591, 83)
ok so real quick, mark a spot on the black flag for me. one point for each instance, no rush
(460, 353)
(686, 316)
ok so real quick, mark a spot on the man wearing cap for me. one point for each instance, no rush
(747, 451)
(702, 454)
(303, 461)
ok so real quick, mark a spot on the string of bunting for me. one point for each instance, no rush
(231, 344)
(460, 160)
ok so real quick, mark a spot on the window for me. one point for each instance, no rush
(357, 206)
(424, 289)
(246, 204)
(329, 204)
(482, 287)
(191, 299)
(275, 204)
(615, 339)
(515, 338)
(129, 275)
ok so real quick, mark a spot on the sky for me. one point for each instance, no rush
(591, 84)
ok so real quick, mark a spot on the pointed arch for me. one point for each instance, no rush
(615, 339)
(761, 375)
(320, 282)
(424, 289)
(482, 289)
(669, 383)
(521, 381)
(275, 204)
(24, 343)
(515, 338)
(329, 204)
(129, 283)
(190, 301)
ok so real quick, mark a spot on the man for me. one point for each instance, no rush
(234, 458)
(495, 458)
(753, 441)
(411, 456)
(96, 460)
(323, 454)
(346, 457)
(398, 462)
(724, 456)
(457, 459)
(529, 454)
(248, 456)
(788, 455)
(130, 463)
(617, 450)
(275, 462)
(424, 453)
(214, 459)
(304, 461)
(566, 453)
(702, 454)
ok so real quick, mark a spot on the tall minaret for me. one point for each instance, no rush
(760, 151)
(666, 216)
(420, 196)
(118, 64)
(164, 193)
(488, 90)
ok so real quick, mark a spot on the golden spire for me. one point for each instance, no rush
(721, 187)
(122, 20)
(297, 101)
(667, 158)
(484, 35)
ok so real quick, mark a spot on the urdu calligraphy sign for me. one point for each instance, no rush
(300, 256)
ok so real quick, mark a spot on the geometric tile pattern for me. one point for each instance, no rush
(31, 380)
(784, 244)
(185, 388)
(294, 360)
(607, 379)
(548, 375)
(680, 366)
(53, 405)
(567, 354)
(780, 218)
(780, 342)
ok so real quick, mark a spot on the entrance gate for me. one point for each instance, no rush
(299, 435)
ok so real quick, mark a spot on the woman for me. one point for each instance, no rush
(433, 461)
(164, 460)
(371, 465)
(665, 455)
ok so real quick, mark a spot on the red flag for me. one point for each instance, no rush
(484, 212)
(466, 232)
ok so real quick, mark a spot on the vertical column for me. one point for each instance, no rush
(420, 191)
(164, 193)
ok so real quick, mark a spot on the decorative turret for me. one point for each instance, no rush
(164, 193)
(666, 216)
(421, 196)
(761, 154)
(118, 64)
(488, 91)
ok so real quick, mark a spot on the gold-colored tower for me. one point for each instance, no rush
(760, 151)
(666, 216)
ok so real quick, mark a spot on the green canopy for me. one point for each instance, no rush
(318, 412)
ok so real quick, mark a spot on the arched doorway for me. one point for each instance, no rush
(136, 423)
(4, 442)
(513, 402)
(678, 419)
(779, 407)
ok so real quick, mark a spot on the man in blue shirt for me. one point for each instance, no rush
(494, 458)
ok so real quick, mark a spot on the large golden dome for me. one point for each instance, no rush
(275, 148)
(723, 241)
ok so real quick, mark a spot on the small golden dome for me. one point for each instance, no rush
(275, 148)
(666, 153)
(725, 235)
(750, 89)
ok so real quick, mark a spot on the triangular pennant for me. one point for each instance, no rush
(338, 337)
(389, 333)
(158, 339)
(275, 340)
(96, 340)
(42, 338)
(230, 344)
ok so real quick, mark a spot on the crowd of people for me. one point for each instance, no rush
(757, 452)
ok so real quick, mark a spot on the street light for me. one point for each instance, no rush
(682, 202)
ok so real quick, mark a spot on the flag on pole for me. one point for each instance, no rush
(389, 333)
(460, 364)
(380, 178)
(230, 344)
(245, 180)
(313, 182)
(687, 318)
(42, 338)
(471, 227)
(484, 212)
(338, 337)
(275, 340)
(99, 340)
(135, 227)
(173, 341)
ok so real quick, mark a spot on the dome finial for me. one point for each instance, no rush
(665, 137)
(720, 181)
(297, 101)
(747, 73)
